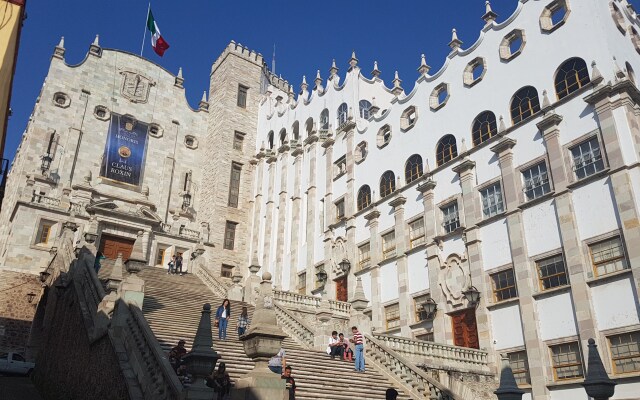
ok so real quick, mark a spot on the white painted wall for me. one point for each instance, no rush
(555, 316)
(615, 304)
(541, 228)
(366, 285)
(585, 198)
(418, 272)
(506, 327)
(495, 244)
(568, 394)
(388, 282)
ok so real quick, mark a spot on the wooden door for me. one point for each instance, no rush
(110, 246)
(342, 291)
(465, 330)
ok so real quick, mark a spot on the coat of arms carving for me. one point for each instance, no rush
(135, 86)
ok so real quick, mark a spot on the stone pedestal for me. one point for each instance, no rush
(236, 292)
(252, 283)
(358, 304)
(262, 341)
(323, 316)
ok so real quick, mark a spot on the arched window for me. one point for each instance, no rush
(413, 168)
(270, 140)
(387, 184)
(524, 104)
(296, 130)
(324, 120)
(364, 197)
(484, 128)
(447, 149)
(571, 76)
(364, 106)
(283, 136)
(308, 126)
(343, 111)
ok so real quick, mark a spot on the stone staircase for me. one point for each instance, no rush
(172, 306)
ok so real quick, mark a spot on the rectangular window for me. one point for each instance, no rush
(416, 233)
(389, 245)
(302, 283)
(587, 159)
(226, 271)
(421, 315)
(504, 285)
(242, 96)
(339, 209)
(625, 352)
(234, 185)
(552, 272)
(450, 217)
(536, 181)
(364, 256)
(160, 256)
(230, 235)
(520, 367)
(340, 167)
(238, 140)
(566, 360)
(44, 230)
(392, 315)
(426, 337)
(608, 256)
(492, 200)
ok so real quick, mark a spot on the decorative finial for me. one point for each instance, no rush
(95, 48)
(455, 43)
(61, 43)
(545, 99)
(179, 81)
(618, 73)
(501, 126)
(204, 96)
(596, 76)
(318, 82)
(353, 62)
(376, 72)
(303, 85)
(373, 110)
(427, 169)
(397, 89)
(424, 68)
(96, 41)
(204, 105)
(489, 16)
(58, 52)
(333, 70)
(463, 147)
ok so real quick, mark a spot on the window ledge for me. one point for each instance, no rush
(416, 249)
(507, 302)
(551, 292)
(364, 270)
(419, 324)
(620, 378)
(608, 277)
(491, 219)
(588, 179)
(339, 176)
(445, 236)
(569, 382)
(530, 203)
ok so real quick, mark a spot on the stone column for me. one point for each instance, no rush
(402, 238)
(441, 320)
(311, 213)
(521, 268)
(282, 215)
(295, 217)
(376, 254)
(466, 172)
(266, 252)
(329, 217)
(259, 172)
(571, 243)
(349, 207)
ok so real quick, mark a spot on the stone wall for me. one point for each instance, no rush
(16, 313)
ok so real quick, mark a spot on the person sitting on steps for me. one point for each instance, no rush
(336, 347)
(220, 382)
(348, 353)
(176, 354)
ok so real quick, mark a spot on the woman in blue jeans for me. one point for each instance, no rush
(222, 316)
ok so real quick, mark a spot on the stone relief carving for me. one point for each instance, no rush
(135, 86)
(453, 278)
(338, 253)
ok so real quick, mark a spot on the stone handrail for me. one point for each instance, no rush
(300, 331)
(420, 351)
(157, 380)
(217, 287)
(415, 380)
(291, 299)
(189, 233)
(46, 200)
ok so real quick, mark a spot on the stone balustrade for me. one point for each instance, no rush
(394, 364)
(77, 208)
(296, 300)
(298, 330)
(437, 354)
(217, 287)
(45, 200)
(189, 233)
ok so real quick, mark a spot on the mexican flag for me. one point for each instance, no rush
(157, 41)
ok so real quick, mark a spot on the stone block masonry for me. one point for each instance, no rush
(16, 313)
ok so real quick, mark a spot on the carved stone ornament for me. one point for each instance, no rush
(135, 87)
(453, 278)
(339, 253)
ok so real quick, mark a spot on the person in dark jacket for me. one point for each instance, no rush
(290, 382)
(220, 381)
(222, 317)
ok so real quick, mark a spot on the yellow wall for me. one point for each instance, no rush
(10, 17)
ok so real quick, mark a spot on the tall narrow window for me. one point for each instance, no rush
(242, 96)
(392, 315)
(566, 360)
(416, 233)
(492, 203)
(504, 285)
(387, 183)
(234, 186)
(587, 158)
(343, 112)
(389, 245)
(484, 127)
(364, 106)
(446, 149)
(364, 197)
(364, 256)
(413, 168)
(271, 140)
(324, 120)
(625, 352)
(44, 231)
(302, 283)
(571, 76)
(450, 217)
(520, 367)
(238, 140)
(536, 181)
(524, 104)
(339, 209)
(230, 235)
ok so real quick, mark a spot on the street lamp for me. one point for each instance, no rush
(46, 162)
(345, 265)
(43, 276)
(472, 295)
(186, 200)
(430, 309)
(30, 297)
(321, 275)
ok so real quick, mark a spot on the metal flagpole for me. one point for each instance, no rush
(144, 35)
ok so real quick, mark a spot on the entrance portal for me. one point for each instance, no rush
(342, 291)
(465, 330)
(110, 246)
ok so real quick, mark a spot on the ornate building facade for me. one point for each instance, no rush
(495, 205)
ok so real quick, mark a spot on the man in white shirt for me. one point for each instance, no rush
(336, 346)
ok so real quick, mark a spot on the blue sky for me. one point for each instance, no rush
(307, 35)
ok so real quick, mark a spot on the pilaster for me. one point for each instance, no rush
(311, 217)
(376, 253)
(329, 218)
(259, 171)
(282, 214)
(402, 238)
(296, 218)
(266, 253)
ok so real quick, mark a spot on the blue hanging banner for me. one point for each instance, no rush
(124, 153)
